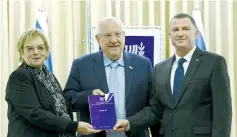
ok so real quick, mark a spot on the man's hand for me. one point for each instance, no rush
(86, 129)
(121, 125)
(98, 92)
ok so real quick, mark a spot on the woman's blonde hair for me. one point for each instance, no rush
(27, 35)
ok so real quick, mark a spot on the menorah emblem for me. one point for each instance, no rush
(136, 49)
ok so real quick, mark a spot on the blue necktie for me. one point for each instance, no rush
(113, 88)
(178, 78)
(113, 84)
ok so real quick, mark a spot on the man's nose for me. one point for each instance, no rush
(113, 38)
(180, 33)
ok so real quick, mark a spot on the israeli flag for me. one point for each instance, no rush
(42, 24)
(200, 41)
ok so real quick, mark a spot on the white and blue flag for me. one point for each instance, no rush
(200, 41)
(42, 24)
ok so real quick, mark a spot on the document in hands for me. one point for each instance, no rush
(102, 111)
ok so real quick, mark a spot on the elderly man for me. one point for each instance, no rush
(93, 74)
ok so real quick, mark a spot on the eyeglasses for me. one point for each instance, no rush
(110, 35)
(31, 49)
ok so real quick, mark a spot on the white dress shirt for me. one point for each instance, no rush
(185, 65)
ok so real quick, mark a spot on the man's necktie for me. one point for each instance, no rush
(178, 78)
(113, 84)
(113, 88)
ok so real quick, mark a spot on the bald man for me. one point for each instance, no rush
(90, 75)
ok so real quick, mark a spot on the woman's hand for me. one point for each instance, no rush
(86, 129)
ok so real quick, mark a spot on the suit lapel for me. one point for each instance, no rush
(194, 63)
(129, 72)
(42, 88)
(99, 69)
(168, 68)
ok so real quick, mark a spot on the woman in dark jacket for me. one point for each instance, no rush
(36, 104)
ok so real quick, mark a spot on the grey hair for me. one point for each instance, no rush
(104, 19)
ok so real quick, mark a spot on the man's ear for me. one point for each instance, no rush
(196, 33)
(97, 37)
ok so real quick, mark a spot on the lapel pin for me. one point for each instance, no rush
(130, 67)
(196, 59)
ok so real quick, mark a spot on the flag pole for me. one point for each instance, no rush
(196, 4)
(88, 39)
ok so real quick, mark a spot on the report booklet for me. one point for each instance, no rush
(102, 111)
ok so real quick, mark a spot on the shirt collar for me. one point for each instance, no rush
(186, 57)
(108, 61)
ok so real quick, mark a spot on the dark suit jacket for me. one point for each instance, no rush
(88, 73)
(31, 110)
(204, 105)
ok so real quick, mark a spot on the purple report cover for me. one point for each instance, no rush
(102, 111)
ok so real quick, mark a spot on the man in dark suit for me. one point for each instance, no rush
(90, 75)
(191, 89)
